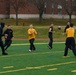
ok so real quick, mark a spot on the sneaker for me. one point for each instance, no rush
(29, 50)
(66, 56)
(4, 53)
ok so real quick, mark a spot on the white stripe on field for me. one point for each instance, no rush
(36, 43)
(37, 67)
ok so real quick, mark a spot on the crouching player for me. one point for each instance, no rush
(8, 33)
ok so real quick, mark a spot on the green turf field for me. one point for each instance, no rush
(41, 62)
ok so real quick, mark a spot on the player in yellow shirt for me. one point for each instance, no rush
(31, 36)
(70, 41)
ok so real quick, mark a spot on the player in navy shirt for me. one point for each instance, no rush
(8, 36)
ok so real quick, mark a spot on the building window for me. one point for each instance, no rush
(59, 10)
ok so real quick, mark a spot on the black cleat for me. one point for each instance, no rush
(4, 53)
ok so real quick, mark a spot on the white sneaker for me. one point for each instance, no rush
(29, 50)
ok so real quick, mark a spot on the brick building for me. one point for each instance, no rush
(30, 11)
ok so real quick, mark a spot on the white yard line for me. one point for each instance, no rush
(38, 67)
(36, 43)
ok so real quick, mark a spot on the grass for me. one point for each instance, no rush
(45, 22)
(42, 62)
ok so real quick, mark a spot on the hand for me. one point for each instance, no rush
(12, 38)
(6, 35)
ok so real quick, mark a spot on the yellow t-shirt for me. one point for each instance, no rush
(70, 32)
(31, 33)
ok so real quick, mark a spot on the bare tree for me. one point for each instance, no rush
(40, 4)
(68, 5)
(17, 4)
